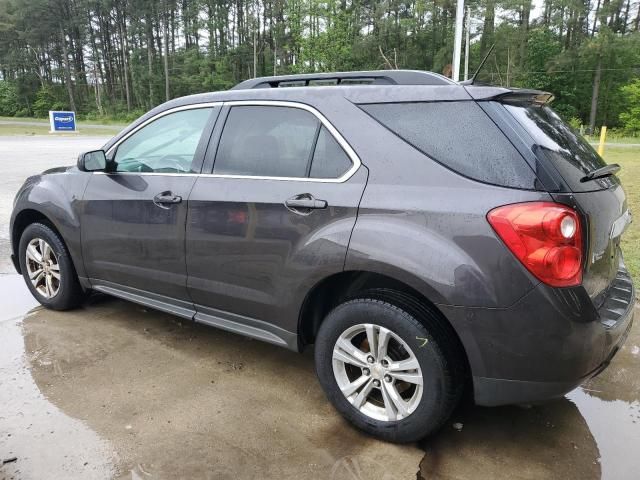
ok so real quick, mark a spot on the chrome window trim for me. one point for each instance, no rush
(353, 156)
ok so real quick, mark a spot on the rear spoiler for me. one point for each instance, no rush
(535, 97)
(509, 95)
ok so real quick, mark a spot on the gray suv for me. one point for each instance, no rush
(430, 239)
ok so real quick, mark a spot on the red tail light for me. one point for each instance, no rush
(546, 237)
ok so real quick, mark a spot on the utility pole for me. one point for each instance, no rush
(466, 47)
(457, 45)
(275, 55)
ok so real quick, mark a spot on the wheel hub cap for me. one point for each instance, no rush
(377, 372)
(43, 268)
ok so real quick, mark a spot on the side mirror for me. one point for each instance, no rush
(95, 161)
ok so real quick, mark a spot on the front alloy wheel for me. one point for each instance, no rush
(47, 268)
(43, 268)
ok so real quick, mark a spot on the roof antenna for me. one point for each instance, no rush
(484, 60)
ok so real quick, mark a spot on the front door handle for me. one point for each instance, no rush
(166, 198)
(304, 203)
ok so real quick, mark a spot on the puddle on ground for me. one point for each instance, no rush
(46, 443)
(177, 400)
(131, 393)
(593, 433)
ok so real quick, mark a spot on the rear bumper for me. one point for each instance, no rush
(544, 346)
(491, 392)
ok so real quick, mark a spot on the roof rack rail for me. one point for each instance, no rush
(370, 77)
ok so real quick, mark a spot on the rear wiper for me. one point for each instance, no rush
(601, 172)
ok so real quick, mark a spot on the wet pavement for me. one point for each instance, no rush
(114, 390)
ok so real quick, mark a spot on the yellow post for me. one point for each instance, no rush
(603, 136)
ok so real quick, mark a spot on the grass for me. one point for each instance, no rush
(629, 160)
(43, 128)
(612, 139)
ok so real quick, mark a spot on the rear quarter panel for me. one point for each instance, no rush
(423, 224)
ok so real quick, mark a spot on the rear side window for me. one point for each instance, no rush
(566, 149)
(460, 136)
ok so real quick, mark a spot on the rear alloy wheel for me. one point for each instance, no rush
(388, 373)
(377, 372)
(47, 268)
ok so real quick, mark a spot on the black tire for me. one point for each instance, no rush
(69, 294)
(438, 357)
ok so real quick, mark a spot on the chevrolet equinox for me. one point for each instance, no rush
(428, 238)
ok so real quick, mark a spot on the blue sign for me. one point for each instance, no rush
(62, 121)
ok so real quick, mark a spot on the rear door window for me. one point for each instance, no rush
(277, 141)
(566, 149)
(329, 159)
(460, 136)
(266, 141)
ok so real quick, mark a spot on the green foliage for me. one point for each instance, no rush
(49, 98)
(112, 53)
(9, 104)
(575, 122)
(631, 117)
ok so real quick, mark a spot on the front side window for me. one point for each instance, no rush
(277, 141)
(166, 145)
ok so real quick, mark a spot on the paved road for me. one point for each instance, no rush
(115, 390)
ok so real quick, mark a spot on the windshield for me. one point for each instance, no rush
(565, 148)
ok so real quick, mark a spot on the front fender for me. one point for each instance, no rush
(56, 196)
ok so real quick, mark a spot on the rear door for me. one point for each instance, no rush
(134, 216)
(274, 217)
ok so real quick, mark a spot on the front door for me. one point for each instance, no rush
(133, 220)
(273, 219)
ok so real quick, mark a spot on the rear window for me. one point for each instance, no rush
(460, 136)
(566, 149)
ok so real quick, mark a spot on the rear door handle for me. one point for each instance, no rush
(305, 201)
(166, 198)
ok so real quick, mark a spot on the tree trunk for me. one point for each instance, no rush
(125, 67)
(166, 58)
(488, 27)
(526, 12)
(150, 56)
(67, 70)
